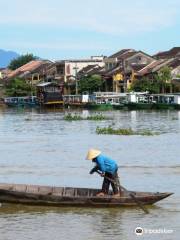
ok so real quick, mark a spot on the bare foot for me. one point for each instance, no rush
(101, 194)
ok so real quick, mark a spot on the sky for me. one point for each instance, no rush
(64, 29)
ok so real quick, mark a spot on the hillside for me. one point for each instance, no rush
(6, 57)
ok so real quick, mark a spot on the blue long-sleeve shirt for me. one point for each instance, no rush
(106, 164)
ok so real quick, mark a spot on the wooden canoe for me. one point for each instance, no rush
(68, 196)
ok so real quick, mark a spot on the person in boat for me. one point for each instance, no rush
(108, 168)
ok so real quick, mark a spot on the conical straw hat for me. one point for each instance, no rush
(92, 153)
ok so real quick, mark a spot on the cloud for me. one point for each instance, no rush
(113, 17)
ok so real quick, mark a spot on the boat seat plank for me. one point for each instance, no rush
(58, 191)
(69, 192)
(45, 190)
(82, 192)
(92, 192)
(19, 188)
(6, 186)
(32, 189)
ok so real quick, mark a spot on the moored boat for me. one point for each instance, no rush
(68, 196)
(28, 101)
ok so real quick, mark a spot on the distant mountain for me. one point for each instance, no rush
(6, 57)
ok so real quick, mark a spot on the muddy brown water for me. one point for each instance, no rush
(39, 147)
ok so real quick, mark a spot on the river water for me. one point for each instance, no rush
(39, 147)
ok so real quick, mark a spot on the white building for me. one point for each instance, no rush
(68, 69)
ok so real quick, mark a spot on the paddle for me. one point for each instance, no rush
(139, 204)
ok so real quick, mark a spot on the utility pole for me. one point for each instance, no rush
(76, 68)
(124, 78)
(32, 77)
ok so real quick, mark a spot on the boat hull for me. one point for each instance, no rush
(83, 197)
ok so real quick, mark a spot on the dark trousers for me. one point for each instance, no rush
(107, 182)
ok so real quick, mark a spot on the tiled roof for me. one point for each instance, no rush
(112, 71)
(90, 69)
(78, 61)
(147, 69)
(158, 64)
(168, 54)
(138, 67)
(96, 70)
(87, 68)
(127, 53)
(166, 62)
(28, 67)
(121, 53)
(175, 63)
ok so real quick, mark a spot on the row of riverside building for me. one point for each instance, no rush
(118, 70)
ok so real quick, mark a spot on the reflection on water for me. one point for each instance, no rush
(42, 148)
(66, 223)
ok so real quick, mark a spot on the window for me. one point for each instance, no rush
(68, 70)
(60, 70)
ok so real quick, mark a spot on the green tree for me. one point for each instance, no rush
(90, 84)
(21, 60)
(160, 82)
(18, 88)
(165, 79)
(145, 84)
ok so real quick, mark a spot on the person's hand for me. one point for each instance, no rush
(102, 174)
(92, 171)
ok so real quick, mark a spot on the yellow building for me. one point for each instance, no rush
(117, 82)
(132, 78)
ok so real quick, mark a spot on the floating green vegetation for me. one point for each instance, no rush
(123, 131)
(110, 130)
(75, 117)
(146, 132)
(97, 117)
(70, 117)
